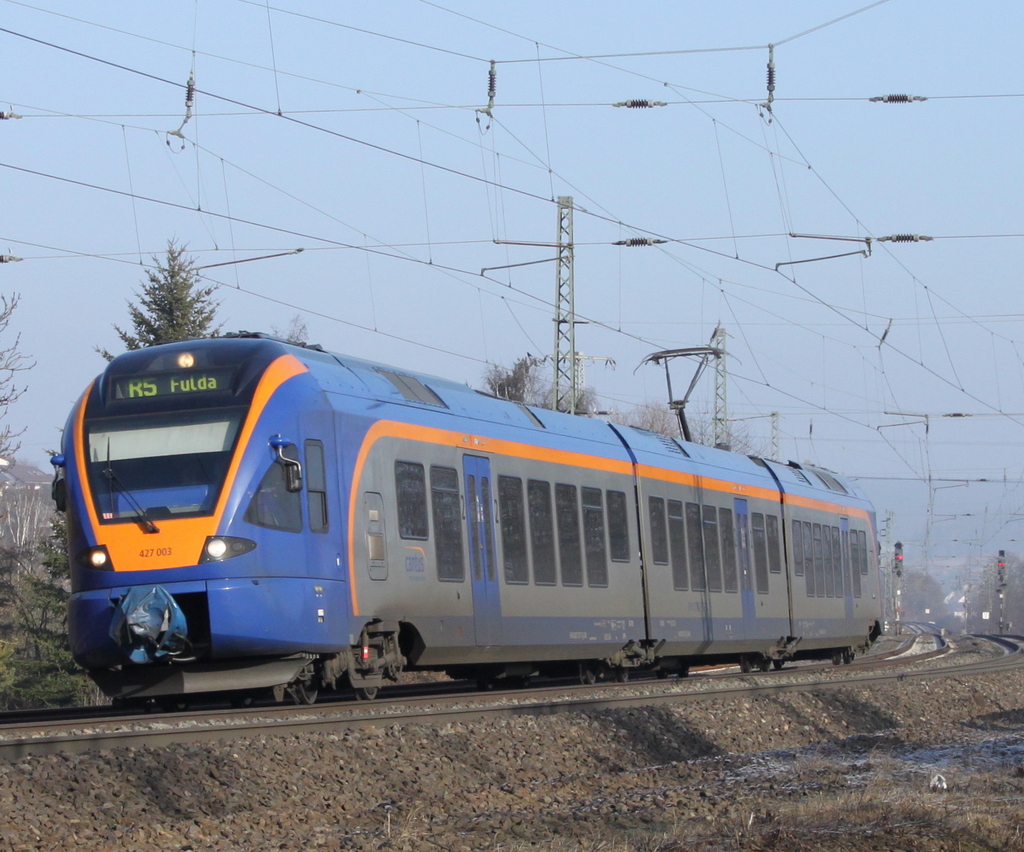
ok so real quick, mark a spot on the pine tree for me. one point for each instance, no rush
(41, 672)
(172, 305)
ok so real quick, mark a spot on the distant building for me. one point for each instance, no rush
(14, 474)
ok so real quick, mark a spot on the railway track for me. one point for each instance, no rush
(916, 658)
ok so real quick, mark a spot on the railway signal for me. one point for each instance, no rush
(1001, 584)
(898, 558)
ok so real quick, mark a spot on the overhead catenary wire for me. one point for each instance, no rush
(334, 133)
(421, 158)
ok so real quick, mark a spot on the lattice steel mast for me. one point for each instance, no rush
(721, 418)
(565, 390)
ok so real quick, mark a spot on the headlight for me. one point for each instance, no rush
(220, 547)
(95, 559)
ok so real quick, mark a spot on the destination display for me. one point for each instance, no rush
(172, 384)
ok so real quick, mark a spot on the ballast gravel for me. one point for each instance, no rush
(611, 780)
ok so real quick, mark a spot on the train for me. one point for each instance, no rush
(248, 516)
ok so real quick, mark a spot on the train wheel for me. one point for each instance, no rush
(366, 693)
(837, 657)
(746, 666)
(778, 664)
(764, 664)
(242, 700)
(847, 656)
(588, 674)
(485, 684)
(662, 674)
(303, 693)
(621, 675)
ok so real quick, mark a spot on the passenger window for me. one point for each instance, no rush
(659, 531)
(569, 552)
(488, 515)
(513, 529)
(848, 583)
(819, 563)
(316, 486)
(774, 544)
(447, 510)
(411, 493)
(677, 542)
(714, 568)
(593, 537)
(837, 562)
(830, 587)
(862, 536)
(809, 558)
(542, 532)
(273, 506)
(855, 563)
(618, 526)
(696, 547)
(798, 549)
(728, 550)
(760, 546)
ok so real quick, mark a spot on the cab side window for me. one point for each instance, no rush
(273, 506)
(316, 486)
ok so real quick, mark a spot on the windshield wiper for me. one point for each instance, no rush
(143, 518)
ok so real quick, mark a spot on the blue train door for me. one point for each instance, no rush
(480, 536)
(743, 560)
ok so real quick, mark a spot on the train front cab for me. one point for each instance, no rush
(200, 536)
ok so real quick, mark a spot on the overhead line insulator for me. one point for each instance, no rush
(4, 116)
(896, 99)
(640, 103)
(906, 238)
(492, 90)
(634, 242)
(771, 82)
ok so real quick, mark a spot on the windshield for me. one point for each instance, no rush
(165, 466)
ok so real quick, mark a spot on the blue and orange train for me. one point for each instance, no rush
(248, 515)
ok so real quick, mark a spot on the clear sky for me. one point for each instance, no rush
(354, 131)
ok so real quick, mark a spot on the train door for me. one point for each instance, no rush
(743, 558)
(323, 556)
(480, 536)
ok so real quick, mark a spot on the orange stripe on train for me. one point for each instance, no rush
(514, 449)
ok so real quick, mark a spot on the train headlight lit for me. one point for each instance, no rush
(95, 558)
(220, 547)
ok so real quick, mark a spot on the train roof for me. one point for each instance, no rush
(355, 377)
